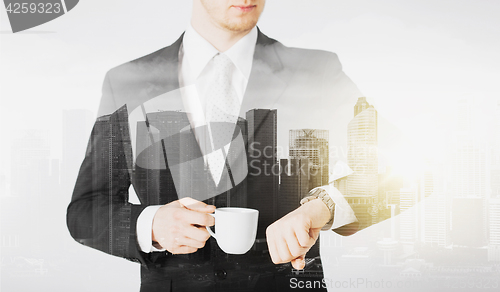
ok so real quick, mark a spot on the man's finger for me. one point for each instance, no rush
(186, 241)
(303, 238)
(283, 251)
(184, 249)
(273, 252)
(197, 218)
(294, 246)
(197, 233)
(314, 234)
(299, 263)
(196, 205)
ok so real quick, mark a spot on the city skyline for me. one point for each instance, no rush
(418, 229)
(414, 58)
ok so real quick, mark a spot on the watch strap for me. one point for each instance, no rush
(319, 193)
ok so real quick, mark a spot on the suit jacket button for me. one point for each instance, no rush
(221, 274)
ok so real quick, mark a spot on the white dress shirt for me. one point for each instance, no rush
(195, 66)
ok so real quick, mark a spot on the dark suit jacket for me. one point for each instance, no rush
(307, 87)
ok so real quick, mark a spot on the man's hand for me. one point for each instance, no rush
(291, 237)
(179, 226)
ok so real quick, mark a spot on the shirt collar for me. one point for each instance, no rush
(199, 51)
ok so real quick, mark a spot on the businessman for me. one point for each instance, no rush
(209, 80)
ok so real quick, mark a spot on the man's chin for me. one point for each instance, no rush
(240, 26)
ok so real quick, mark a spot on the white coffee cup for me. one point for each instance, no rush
(235, 229)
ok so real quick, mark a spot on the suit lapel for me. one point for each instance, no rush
(153, 76)
(264, 88)
(265, 84)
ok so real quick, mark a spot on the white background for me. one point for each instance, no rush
(413, 59)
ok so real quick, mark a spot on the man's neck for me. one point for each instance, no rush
(218, 37)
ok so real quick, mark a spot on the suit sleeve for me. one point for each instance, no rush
(107, 104)
(339, 97)
(99, 214)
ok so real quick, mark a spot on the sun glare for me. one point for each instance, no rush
(411, 159)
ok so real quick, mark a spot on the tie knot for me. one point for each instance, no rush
(222, 63)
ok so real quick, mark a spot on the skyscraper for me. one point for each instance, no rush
(408, 231)
(494, 201)
(116, 146)
(494, 230)
(469, 173)
(263, 173)
(469, 169)
(469, 159)
(312, 143)
(468, 224)
(237, 196)
(150, 156)
(362, 158)
(389, 184)
(30, 187)
(495, 156)
(76, 127)
(435, 220)
(30, 163)
(294, 184)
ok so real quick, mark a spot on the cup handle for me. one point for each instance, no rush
(209, 229)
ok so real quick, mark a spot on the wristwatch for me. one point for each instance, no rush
(319, 193)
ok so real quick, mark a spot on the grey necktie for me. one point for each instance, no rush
(222, 106)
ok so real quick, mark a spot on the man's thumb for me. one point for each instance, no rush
(299, 263)
(195, 205)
